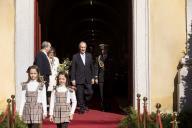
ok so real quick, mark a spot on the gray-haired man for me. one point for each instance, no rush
(41, 60)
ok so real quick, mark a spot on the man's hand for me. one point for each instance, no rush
(96, 81)
(74, 88)
(73, 82)
(92, 81)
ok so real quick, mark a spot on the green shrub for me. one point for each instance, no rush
(4, 123)
(131, 120)
(124, 123)
(166, 119)
(18, 123)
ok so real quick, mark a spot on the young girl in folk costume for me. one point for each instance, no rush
(33, 106)
(63, 102)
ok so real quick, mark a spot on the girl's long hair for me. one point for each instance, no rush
(66, 76)
(39, 78)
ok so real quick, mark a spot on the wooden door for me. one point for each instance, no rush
(37, 28)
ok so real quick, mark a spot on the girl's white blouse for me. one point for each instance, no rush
(33, 86)
(71, 98)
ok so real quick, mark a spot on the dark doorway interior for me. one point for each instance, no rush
(66, 22)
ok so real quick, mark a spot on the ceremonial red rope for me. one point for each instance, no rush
(158, 119)
(13, 116)
(14, 112)
(4, 115)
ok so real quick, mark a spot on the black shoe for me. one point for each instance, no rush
(86, 109)
(81, 112)
(102, 108)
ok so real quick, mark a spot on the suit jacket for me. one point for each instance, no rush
(42, 62)
(82, 73)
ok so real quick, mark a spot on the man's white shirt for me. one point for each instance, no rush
(83, 57)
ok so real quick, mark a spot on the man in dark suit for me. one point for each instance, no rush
(42, 61)
(82, 76)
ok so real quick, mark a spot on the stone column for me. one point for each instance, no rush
(189, 15)
(141, 50)
(24, 42)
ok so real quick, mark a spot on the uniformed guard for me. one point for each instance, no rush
(100, 69)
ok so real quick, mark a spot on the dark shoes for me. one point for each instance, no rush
(86, 109)
(102, 108)
(81, 112)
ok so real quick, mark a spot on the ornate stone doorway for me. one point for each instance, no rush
(65, 23)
